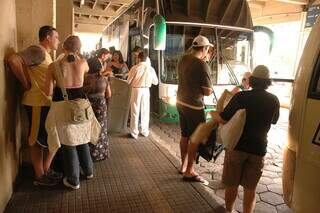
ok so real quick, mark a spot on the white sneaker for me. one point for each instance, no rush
(87, 176)
(67, 184)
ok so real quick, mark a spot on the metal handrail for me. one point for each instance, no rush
(223, 27)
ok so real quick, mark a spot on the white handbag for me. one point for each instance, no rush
(229, 134)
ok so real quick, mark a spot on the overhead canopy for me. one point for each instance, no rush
(223, 12)
(96, 15)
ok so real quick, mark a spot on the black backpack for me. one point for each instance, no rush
(210, 150)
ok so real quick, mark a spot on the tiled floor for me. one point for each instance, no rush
(139, 177)
(269, 190)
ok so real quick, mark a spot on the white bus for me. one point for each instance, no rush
(227, 24)
(301, 168)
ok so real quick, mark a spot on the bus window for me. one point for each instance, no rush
(314, 89)
(153, 54)
(234, 56)
(178, 41)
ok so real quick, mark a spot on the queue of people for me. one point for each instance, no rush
(66, 98)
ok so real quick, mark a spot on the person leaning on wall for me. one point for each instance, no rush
(31, 67)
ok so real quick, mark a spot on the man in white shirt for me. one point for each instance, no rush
(140, 77)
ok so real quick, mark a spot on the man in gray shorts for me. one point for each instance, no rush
(194, 82)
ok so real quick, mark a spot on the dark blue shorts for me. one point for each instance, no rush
(37, 116)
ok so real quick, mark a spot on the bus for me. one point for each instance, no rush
(227, 24)
(301, 163)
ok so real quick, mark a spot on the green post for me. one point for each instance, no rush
(159, 33)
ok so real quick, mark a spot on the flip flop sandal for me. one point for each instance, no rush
(181, 172)
(196, 178)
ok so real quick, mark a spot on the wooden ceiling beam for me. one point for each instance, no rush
(82, 20)
(89, 11)
(107, 6)
(94, 4)
(298, 2)
(126, 2)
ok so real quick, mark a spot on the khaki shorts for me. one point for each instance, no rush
(242, 168)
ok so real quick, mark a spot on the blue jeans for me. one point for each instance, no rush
(73, 158)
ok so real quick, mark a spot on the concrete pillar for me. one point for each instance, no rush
(31, 15)
(64, 19)
(9, 105)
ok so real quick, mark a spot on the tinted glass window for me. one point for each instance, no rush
(314, 89)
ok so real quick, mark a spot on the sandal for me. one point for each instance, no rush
(195, 178)
(181, 172)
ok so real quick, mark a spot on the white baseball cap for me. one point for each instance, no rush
(201, 41)
(261, 71)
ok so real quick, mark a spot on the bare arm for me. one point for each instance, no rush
(206, 91)
(235, 90)
(19, 68)
(107, 72)
(86, 66)
(108, 92)
(117, 65)
(49, 80)
(217, 118)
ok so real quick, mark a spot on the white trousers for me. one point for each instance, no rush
(139, 104)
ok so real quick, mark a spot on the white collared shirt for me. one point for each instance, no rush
(142, 75)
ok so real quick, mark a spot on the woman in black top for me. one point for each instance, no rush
(118, 66)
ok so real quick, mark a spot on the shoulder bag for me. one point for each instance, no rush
(77, 111)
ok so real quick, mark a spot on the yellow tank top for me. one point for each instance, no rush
(35, 96)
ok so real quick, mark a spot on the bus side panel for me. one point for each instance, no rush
(306, 196)
(297, 113)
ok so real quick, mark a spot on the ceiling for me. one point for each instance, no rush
(95, 15)
(277, 11)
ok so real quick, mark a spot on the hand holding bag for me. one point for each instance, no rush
(205, 135)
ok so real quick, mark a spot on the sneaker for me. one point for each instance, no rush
(67, 184)
(44, 181)
(145, 135)
(57, 176)
(131, 136)
(87, 176)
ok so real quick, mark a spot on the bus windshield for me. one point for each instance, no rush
(229, 60)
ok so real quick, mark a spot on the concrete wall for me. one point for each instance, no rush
(64, 20)
(31, 15)
(9, 107)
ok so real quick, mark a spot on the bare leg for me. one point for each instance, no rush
(249, 200)
(192, 151)
(36, 153)
(184, 153)
(47, 159)
(230, 197)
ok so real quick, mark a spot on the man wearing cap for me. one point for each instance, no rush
(193, 84)
(243, 165)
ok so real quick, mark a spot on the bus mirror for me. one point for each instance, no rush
(160, 30)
